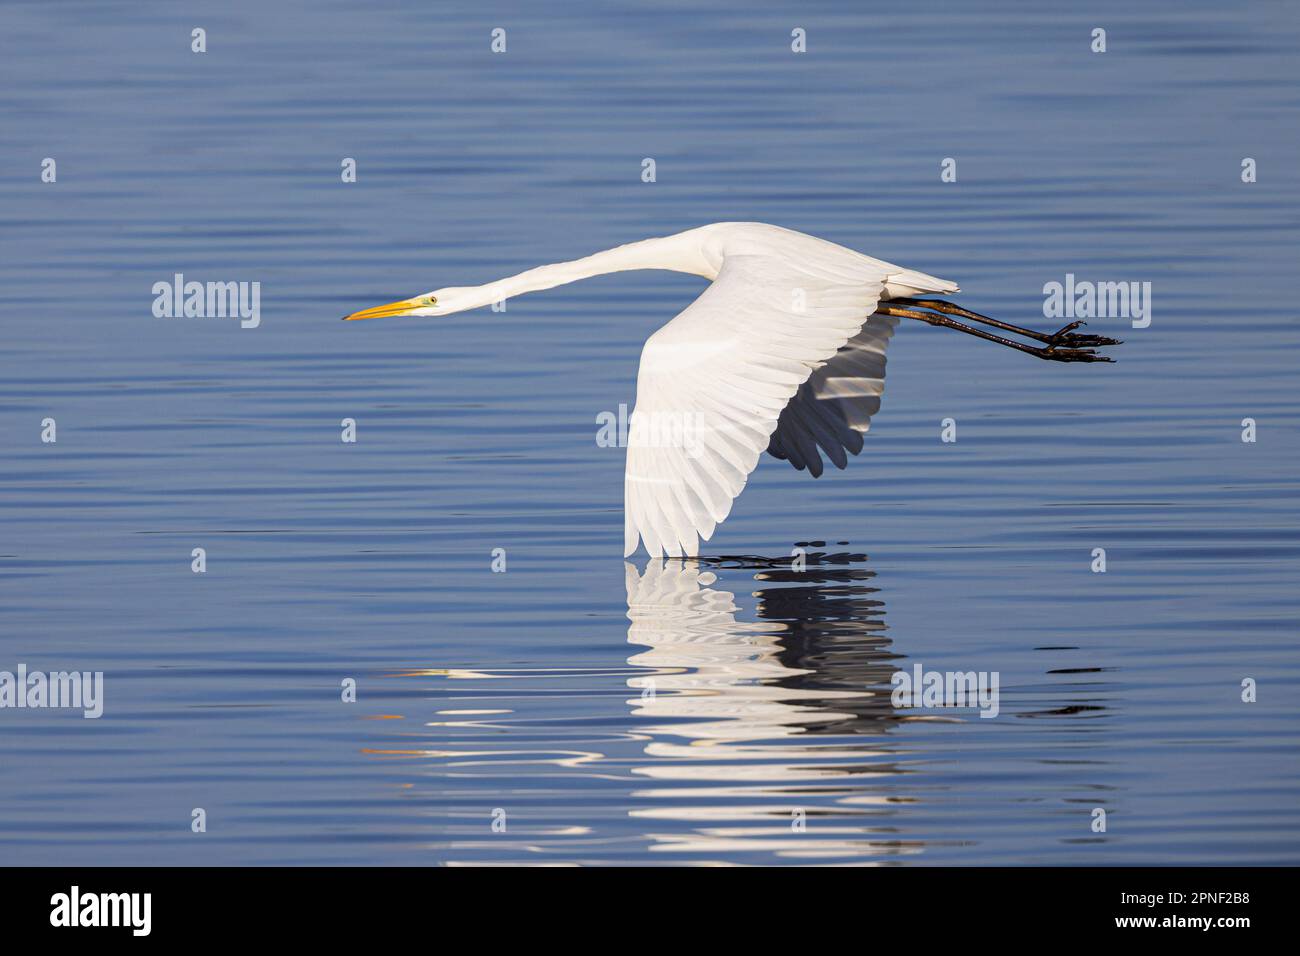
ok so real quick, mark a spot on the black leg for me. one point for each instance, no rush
(1052, 352)
(1065, 336)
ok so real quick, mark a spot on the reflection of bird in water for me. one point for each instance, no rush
(750, 722)
(816, 661)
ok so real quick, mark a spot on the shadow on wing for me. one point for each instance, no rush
(832, 410)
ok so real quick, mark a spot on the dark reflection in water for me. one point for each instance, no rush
(835, 634)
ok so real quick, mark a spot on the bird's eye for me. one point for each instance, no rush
(433, 300)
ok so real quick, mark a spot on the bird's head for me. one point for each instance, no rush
(438, 302)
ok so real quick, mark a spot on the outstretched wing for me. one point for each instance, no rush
(714, 381)
(832, 410)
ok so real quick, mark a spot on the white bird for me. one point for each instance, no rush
(783, 352)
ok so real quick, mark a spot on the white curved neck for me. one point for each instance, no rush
(679, 253)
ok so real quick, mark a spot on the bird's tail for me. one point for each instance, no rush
(910, 283)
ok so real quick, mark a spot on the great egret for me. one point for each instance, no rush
(783, 352)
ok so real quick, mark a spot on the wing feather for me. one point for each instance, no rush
(716, 380)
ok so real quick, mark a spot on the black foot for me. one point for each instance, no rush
(1054, 354)
(1066, 337)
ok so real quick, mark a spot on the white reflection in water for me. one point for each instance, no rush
(751, 722)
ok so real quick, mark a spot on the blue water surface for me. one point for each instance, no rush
(576, 708)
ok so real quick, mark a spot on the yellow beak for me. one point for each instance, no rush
(382, 311)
